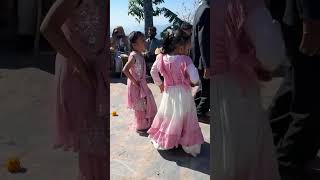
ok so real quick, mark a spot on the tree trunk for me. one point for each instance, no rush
(148, 14)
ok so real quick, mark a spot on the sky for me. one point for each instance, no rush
(119, 14)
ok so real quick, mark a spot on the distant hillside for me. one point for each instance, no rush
(139, 27)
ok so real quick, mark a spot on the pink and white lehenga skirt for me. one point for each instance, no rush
(176, 122)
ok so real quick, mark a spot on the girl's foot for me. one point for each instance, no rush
(142, 131)
(156, 145)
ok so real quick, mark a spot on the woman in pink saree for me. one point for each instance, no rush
(77, 30)
(247, 44)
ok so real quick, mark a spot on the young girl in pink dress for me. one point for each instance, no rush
(176, 122)
(77, 30)
(139, 97)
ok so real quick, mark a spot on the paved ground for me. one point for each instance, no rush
(26, 120)
(134, 156)
(26, 116)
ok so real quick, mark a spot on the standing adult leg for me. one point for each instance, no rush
(280, 111)
(203, 98)
(301, 142)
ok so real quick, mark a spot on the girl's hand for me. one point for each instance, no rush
(310, 40)
(136, 83)
(85, 75)
(206, 74)
(161, 88)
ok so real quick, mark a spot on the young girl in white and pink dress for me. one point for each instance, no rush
(176, 122)
(139, 97)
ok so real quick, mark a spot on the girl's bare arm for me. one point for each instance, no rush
(51, 29)
(126, 69)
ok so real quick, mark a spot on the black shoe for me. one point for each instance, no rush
(142, 132)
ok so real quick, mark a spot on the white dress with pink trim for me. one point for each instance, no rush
(176, 122)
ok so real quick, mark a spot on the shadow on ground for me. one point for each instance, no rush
(21, 171)
(201, 163)
(115, 78)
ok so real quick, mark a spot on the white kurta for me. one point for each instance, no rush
(243, 142)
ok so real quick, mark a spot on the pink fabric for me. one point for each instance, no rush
(169, 132)
(82, 112)
(138, 94)
(174, 73)
(142, 122)
(233, 51)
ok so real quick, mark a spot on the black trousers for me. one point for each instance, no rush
(150, 59)
(295, 115)
(202, 98)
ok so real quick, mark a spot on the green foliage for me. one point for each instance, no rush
(173, 17)
(136, 9)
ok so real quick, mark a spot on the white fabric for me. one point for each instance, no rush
(155, 73)
(171, 101)
(193, 74)
(194, 150)
(242, 134)
(170, 106)
(243, 142)
(266, 35)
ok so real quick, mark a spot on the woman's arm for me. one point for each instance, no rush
(204, 41)
(126, 69)
(51, 30)
(310, 14)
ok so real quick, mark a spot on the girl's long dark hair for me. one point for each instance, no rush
(174, 39)
(133, 37)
